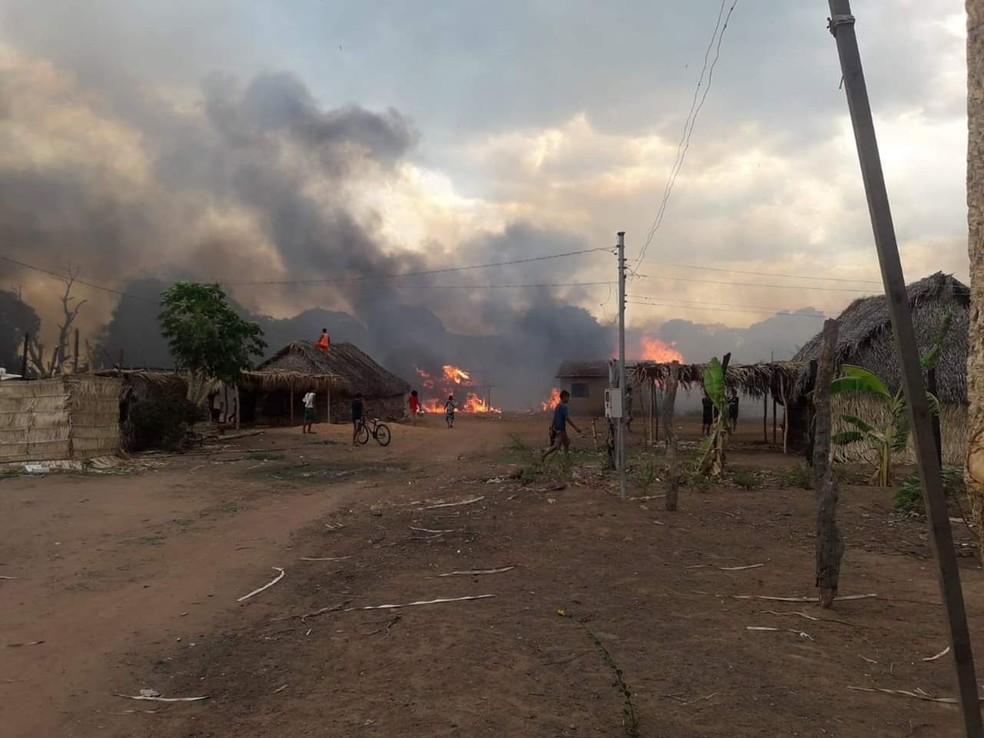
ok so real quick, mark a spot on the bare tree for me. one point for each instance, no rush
(60, 351)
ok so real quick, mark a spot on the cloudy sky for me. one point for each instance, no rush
(463, 132)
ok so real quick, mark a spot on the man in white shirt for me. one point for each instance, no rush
(309, 415)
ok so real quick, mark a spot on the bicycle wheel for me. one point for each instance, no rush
(382, 434)
(363, 435)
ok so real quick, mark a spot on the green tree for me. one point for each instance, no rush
(710, 456)
(207, 338)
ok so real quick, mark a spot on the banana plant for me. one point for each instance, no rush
(710, 457)
(891, 436)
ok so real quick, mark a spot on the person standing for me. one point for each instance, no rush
(413, 406)
(449, 408)
(358, 408)
(309, 416)
(707, 408)
(733, 412)
(559, 425)
(324, 342)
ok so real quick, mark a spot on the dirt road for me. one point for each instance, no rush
(125, 582)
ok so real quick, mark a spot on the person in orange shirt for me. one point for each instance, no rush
(324, 342)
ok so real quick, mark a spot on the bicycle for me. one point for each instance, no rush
(379, 431)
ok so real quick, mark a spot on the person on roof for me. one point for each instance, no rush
(324, 342)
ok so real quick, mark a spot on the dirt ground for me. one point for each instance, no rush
(130, 581)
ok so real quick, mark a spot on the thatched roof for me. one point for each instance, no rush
(344, 367)
(865, 335)
(754, 380)
(161, 379)
(583, 370)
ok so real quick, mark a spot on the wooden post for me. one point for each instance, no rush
(75, 354)
(655, 417)
(829, 542)
(842, 27)
(765, 418)
(774, 425)
(27, 341)
(669, 428)
(785, 416)
(239, 410)
(292, 404)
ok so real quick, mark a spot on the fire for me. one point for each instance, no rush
(445, 385)
(456, 375)
(652, 349)
(551, 402)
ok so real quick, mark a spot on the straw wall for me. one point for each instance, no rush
(953, 429)
(65, 418)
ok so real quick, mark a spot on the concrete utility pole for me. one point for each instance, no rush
(620, 448)
(842, 27)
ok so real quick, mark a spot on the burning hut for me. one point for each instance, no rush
(273, 392)
(865, 339)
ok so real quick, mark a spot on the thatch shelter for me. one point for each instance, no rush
(68, 418)
(753, 380)
(865, 339)
(272, 393)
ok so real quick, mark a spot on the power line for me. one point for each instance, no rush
(76, 280)
(688, 127)
(701, 303)
(422, 272)
(756, 284)
(762, 274)
(730, 310)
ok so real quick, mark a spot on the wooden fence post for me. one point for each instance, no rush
(829, 542)
(669, 430)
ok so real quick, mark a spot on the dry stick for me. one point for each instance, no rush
(421, 602)
(428, 530)
(327, 558)
(829, 542)
(477, 572)
(810, 617)
(2, 577)
(942, 653)
(739, 568)
(916, 694)
(800, 633)
(322, 611)
(453, 504)
(672, 463)
(160, 699)
(265, 586)
(799, 599)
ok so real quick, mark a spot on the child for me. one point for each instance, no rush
(707, 410)
(413, 405)
(449, 408)
(324, 342)
(308, 411)
(559, 427)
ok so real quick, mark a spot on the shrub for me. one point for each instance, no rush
(746, 479)
(160, 422)
(800, 476)
(909, 498)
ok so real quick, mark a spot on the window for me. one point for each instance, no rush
(579, 389)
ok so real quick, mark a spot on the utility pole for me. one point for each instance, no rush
(620, 440)
(951, 593)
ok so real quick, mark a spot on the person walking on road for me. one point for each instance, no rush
(309, 415)
(561, 420)
(358, 408)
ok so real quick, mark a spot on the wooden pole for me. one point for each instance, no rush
(765, 418)
(785, 417)
(829, 542)
(669, 430)
(655, 417)
(842, 27)
(292, 404)
(937, 434)
(774, 422)
(239, 410)
(75, 354)
(27, 341)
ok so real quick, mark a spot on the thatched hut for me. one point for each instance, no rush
(865, 339)
(68, 418)
(272, 393)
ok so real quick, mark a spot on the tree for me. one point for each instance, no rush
(710, 457)
(16, 319)
(207, 339)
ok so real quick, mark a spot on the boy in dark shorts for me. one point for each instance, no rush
(357, 410)
(559, 425)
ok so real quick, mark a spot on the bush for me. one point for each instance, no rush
(800, 476)
(746, 479)
(909, 498)
(160, 422)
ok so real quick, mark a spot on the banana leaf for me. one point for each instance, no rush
(858, 379)
(714, 385)
(858, 423)
(845, 437)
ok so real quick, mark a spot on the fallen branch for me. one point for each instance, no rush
(322, 611)
(421, 602)
(453, 504)
(149, 698)
(739, 568)
(941, 654)
(810, 617)
(7, 578)
(32, 643)
(682, 701)
(800, 599)
(327, 558)
(477, 572)
(279, 689)
(916, 694)
(265, 586)
(428, 530)
(245, 434)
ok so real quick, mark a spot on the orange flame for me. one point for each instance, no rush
(456, 375)
(652, 349)
(475, 404)
(551, 402)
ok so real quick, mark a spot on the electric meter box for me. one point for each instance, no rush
(613, 402)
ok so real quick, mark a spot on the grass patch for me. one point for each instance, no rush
(630, 712)
(909, 499)
(799, 476)
(746, 479)
(266, 456)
